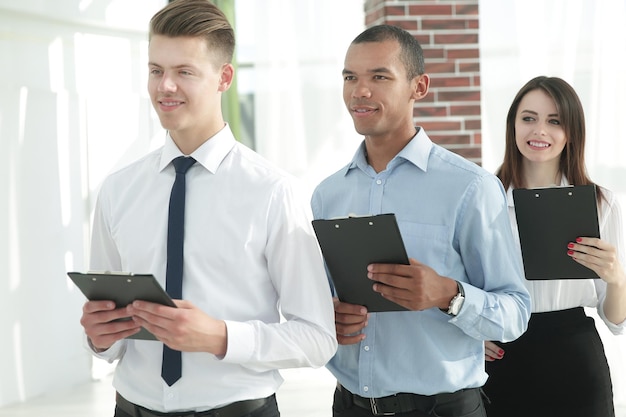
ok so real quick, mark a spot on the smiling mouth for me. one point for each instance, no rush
(363, 111)
(538, 144)
(170, 103)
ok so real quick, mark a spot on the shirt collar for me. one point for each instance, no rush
(210, 154)
(416, 151)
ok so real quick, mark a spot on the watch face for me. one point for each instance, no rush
(460, 303)
(456, 305)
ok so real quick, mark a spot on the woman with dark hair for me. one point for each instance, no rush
(558, 367)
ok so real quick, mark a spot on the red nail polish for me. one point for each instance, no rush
(579, 239)
(570, 245)
(501, 352)
(570, 252)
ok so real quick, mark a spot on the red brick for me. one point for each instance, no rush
(463, 53)
(457, 38)
(473, 124)
(465, 110)
(429, 110)
(436, 81)
(395, 11)
(447, 24)
(440, 125)
(466, 9)
(469, 67)
(430, 98)
(433, 53)
(423, 39)
(459, 95)
(430, 10)
(440, 67)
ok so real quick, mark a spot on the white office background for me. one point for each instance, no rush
(74, 107)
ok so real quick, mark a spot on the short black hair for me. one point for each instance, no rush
(411, 54)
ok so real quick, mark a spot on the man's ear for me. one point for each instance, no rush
(226, 77)
(420, 86)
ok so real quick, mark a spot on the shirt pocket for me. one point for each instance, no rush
(427, 243)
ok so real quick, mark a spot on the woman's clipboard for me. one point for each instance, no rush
(349, 245)
(547, 220)
(123, 289)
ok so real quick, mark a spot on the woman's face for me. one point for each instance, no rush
(539, 134)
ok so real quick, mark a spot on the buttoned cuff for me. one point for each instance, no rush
(111, 354)
(241, 341)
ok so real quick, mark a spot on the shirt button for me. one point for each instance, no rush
(367, 348)
(366, 388)
(170, 396)
(379, 182)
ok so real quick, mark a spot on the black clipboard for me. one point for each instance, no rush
(123, 289)
(349, 245)
(547, 220)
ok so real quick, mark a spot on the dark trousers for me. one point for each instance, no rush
(465, 403)
(268, 410)
(556, 368)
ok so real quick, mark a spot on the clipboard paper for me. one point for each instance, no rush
(349, 245)
(548, 219)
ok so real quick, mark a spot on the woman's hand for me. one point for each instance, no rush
(600, 257)
(492, 351)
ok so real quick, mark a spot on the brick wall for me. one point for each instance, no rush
(448, 33)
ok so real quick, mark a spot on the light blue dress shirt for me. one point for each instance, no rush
(453, 217)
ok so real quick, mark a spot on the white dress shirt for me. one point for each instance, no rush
(250, 255)
(561, 294)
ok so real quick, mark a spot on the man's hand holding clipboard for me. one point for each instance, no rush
(349, 245)
(371, 272)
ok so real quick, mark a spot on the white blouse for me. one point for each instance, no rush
(561, 294)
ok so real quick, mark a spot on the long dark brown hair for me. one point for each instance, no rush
(572, 117)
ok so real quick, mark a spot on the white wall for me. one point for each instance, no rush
(72, 106)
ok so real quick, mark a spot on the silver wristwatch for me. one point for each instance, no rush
(457, 302)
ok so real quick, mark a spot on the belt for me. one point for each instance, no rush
(393, 404)
(236, 409)
(401, 402)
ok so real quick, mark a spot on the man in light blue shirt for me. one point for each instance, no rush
(464, 283)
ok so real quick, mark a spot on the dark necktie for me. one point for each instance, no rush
(172, 361)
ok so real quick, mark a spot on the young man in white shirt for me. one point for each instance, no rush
(250, 253)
